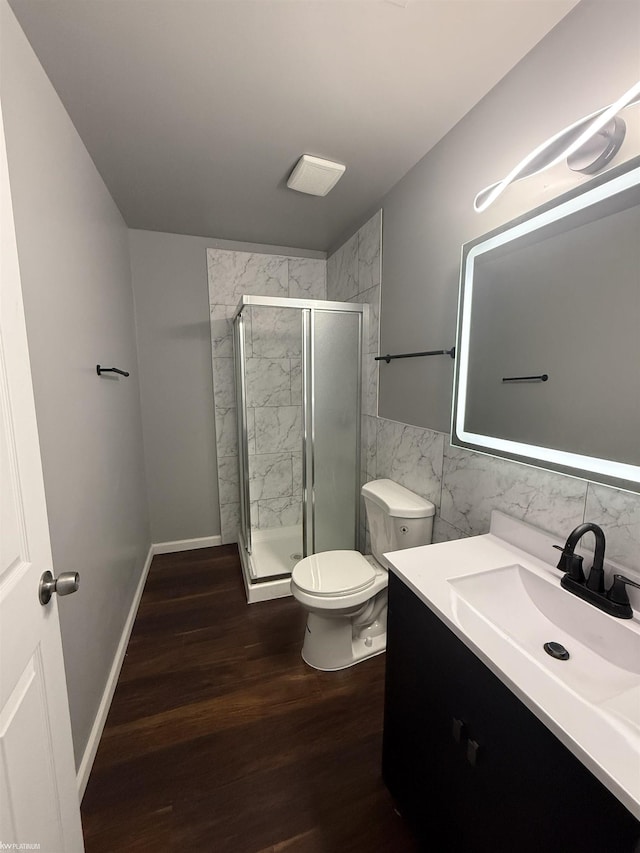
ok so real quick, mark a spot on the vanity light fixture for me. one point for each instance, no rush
(587, 145)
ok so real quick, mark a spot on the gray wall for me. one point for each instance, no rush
(428, 215)
(74, 263)
(169, 274)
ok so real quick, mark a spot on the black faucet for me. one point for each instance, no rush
(572, 563)
(615, 600)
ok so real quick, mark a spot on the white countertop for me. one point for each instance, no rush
(608, 744)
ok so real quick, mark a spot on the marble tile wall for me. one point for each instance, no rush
(465, 486)
(354, 274)
(273, 379)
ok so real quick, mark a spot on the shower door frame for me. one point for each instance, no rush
(239, 369)
(307, 308)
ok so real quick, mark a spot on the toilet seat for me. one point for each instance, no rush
(333, 573)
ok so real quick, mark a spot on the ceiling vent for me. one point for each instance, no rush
(314, 175)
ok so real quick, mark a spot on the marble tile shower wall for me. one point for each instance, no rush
(273, 381)
(353, 275)
(465, 486)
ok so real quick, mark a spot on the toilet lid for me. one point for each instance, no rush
(333, 573)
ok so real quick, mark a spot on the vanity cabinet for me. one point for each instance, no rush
(469, 766)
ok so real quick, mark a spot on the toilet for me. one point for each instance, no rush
(346, 593)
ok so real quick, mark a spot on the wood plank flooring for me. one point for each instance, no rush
(221, 739)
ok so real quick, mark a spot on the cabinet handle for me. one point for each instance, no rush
(458, 730)
(472, 752)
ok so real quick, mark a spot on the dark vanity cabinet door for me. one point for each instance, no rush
(470, 767)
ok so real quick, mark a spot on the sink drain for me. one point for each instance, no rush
(295, 557)
(556, 650)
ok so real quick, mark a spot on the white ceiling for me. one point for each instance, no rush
(195, 111)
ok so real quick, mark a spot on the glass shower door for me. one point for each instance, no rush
(333, 394)
(270, 436)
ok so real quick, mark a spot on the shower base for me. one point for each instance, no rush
(266, 572)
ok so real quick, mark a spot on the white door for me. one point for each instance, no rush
(38, 792)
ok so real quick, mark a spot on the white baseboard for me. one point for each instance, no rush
(82, 776)
(186, 544)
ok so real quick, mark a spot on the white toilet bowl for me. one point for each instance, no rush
(347, 602)
(346, 593)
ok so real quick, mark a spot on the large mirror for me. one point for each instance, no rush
(548, 349)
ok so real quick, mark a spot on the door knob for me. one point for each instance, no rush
(64, 584)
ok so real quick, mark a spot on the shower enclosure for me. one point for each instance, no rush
(298, 368)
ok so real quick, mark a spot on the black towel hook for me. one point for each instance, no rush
(101, 370)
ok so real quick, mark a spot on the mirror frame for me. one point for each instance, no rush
(608, 472)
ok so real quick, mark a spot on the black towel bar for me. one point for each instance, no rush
(541, 378)
(388, 358)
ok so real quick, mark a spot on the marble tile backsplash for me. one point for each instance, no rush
(411, 456)
(472, 484)
(618, 513)
(465, 486)
(273, 382)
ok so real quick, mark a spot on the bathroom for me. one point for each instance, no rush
(134, 461)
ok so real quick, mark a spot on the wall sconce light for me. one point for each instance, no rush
(587, 145)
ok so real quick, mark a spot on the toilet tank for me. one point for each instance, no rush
(397, 517)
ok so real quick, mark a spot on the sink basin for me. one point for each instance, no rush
(531, 609)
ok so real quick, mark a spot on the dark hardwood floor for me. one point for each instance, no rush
(220, 738)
